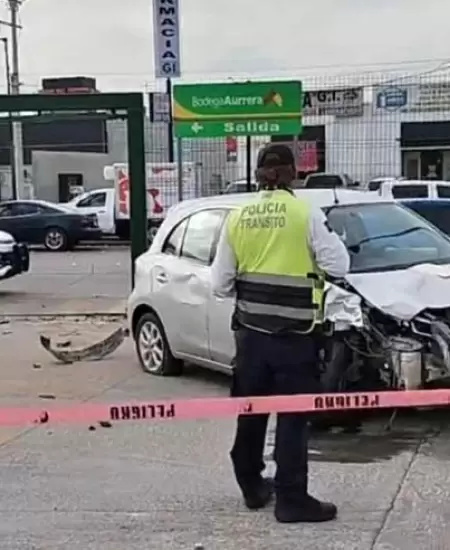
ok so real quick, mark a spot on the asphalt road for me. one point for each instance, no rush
(169, 486)
(88, 280)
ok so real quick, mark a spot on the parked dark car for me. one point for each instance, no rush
(436, 211)
(48, 224)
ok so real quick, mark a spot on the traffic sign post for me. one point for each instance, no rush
(237, 109)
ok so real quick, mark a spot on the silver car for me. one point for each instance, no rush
(173, 315)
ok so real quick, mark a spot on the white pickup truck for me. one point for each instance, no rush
(325, 180)
(111, 204)
(14, 257)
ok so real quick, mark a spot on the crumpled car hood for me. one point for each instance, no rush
(405, 293)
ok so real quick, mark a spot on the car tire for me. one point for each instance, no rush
(56, 239)
(153, 349)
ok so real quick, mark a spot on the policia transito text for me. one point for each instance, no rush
(265, 215)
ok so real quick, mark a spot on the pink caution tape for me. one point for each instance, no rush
(185, 409)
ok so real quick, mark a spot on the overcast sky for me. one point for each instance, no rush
(112, 39)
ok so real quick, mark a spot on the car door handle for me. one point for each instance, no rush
(102, 211)
(162, 278)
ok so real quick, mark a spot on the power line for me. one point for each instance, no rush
(372, 65)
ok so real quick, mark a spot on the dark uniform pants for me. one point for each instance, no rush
(268, 364)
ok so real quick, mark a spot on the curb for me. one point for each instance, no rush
(47, 316)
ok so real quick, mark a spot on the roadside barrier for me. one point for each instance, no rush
(189, 409)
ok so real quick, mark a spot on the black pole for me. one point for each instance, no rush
(248, 162)
(170, 142)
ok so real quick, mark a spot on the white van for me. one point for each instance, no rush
(415, 189)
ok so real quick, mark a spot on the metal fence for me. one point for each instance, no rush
(365, 125)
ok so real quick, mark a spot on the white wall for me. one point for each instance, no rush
(369, 146)
(47, 165)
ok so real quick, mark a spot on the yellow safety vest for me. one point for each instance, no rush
(279, 286)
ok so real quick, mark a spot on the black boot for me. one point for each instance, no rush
(260, 495)
(307, 510)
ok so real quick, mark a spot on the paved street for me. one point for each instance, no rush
(168, 486)
(82, 281)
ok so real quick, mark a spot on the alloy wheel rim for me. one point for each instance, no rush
(54, 239)
(151, 346)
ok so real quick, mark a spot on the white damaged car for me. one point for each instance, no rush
(389, 320)
(14, 257)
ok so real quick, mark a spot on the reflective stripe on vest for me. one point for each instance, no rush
(286, 297)
(279, 286)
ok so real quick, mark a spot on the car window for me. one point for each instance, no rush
(323, 182)
(96, 200)
(172, 245)
(410, 191)
(18, 209)
(387, 236)
(6, 210)
(201, 235)
(45, 209)
(375, 185)
(443, 191)
(25, 209)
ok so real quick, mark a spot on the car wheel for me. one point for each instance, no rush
(153, 349)
(56, 239)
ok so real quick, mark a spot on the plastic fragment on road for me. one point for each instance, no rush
(93, 352)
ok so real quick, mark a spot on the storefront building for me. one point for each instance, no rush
(425, 150)
(411, 134)
(314, 148)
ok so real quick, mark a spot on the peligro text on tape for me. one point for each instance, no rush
(149, 411)
(206, 408)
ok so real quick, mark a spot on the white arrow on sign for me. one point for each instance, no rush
(196, 127)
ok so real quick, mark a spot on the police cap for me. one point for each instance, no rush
(275, 154)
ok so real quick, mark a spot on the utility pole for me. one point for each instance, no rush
(10, 125)
(17, 138)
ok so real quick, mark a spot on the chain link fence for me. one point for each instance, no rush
(365, 125)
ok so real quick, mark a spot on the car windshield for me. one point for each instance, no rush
(324, 181)
(387, 236)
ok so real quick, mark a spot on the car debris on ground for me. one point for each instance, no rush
(64, 353)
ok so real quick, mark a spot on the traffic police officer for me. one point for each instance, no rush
(272, 256)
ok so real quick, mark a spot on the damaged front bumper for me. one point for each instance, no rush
(14, 260)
